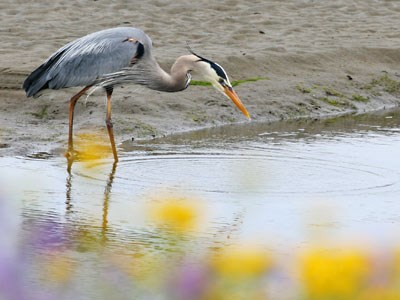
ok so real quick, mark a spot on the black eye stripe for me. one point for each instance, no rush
(220, 72)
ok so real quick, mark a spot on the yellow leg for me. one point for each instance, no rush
(72, 103)
(110, 125)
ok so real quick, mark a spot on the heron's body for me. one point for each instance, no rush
(119, 55)
(87, 59)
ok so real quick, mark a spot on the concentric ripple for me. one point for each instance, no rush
(254, 170)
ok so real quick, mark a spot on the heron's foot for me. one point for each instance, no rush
(71, 154)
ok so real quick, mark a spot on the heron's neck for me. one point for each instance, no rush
(177, 79)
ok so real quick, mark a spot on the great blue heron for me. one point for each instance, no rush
(115, 56)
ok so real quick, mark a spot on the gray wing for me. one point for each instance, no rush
(82, 61)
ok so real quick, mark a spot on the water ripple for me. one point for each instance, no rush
(256, 170)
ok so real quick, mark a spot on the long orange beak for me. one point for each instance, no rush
(235, 98)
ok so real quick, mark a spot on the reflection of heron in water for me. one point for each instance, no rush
(107, 192)
(106, 199)
(116, 56)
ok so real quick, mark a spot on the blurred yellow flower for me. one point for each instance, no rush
(240, 262)
(330, 274)
(396, 265)
(145, 268)
(379, 293)
(57, 268)
(178, 214)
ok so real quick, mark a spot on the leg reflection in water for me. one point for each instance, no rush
(106, 199)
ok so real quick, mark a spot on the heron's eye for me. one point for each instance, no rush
(222, 82)
(188, 78)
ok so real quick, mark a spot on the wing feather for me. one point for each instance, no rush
(84, 60)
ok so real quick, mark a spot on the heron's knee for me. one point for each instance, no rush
(109, 123)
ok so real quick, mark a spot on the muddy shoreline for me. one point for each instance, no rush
(41, 125)
(313, 60)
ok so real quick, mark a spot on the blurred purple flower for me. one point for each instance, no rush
(190, 282)
(16, 262)
(43, 232)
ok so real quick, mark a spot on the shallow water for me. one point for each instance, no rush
(282, 185)
(285, 180)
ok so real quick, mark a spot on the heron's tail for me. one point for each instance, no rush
(39, 79)
(36, 81)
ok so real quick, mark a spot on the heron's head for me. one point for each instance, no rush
(216, 75)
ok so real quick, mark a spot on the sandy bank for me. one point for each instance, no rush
(316, 60)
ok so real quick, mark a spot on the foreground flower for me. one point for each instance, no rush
(238, 273)
(146, 269)
(57, 268)
(177, 214)
(334, 274)
(241, 262)
(384, 293)
(396, 266)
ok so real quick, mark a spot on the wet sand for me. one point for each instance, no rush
(317, 58)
